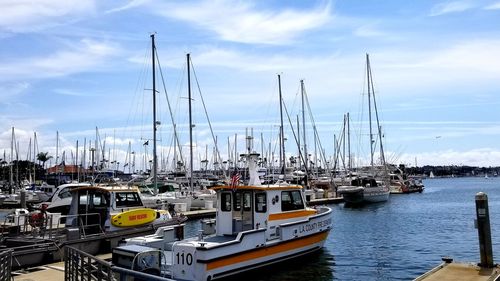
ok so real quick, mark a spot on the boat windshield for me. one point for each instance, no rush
(291, 200)
(128, 199)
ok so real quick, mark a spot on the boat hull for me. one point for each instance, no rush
(376, 197)
(265, 256)
(352, 194)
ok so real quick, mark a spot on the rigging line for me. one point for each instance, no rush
(176, 136)
(206, 113)
(376, 115)
(295, 137)
(316, 135)
(133, 110)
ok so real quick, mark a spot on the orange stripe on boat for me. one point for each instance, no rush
(290, 215)
(264, 252)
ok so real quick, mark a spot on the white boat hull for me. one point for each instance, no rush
(312, 244)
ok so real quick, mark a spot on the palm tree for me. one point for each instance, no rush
(43, 157)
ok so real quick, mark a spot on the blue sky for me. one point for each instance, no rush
(72, 66)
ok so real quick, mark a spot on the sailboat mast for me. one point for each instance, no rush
(298, 143)
(349, 165)
(368, 77)
(282, 137)
(11, 172)
(155, 160)
(382, 157)
(76, 164)
(190, 124)
(304, 125)
(235, 152)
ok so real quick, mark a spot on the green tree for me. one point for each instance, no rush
(43, 157)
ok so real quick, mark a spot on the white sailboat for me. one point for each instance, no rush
(372, 183)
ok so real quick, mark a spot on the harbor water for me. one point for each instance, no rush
(395, 240)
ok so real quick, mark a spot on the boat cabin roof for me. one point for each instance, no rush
(260, 188)
(107, 188)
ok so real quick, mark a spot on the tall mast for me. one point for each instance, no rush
(298, 141)
(175, 151)
(35, 146)
(84, 166)
(368, 78)
(190, 124)
(11, 178)
(349, 165)
(262, 149)
(76, 164)
(282, 137)
(155, 163)
(57, 149)
(235, 152)
(306, 156)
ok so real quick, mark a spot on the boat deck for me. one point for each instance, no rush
(461, 272)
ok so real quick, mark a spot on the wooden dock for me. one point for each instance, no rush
(460, 272)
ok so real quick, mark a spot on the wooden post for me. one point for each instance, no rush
(483, 229)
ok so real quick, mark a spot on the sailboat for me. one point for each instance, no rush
(371, 183)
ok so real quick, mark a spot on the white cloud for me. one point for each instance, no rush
(11, 90)
(494, 6)
(368, 31)
(240, 21)
(130, 5)
(451, 7)
(69, 92)
(86, 55)
(256, 63)
(481, 157)
(27, 15)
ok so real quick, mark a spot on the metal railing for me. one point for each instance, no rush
(5, 265)
(80, 266)
(50, 225)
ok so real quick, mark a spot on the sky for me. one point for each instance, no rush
(82, 70)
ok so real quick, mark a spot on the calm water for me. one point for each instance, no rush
(399, 239)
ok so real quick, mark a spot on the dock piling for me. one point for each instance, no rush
(483, 229)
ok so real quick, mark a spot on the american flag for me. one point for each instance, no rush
(235, 179)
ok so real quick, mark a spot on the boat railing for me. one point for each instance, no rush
(82, 222)
(16, 224)
(49, 225)
(79, 265)
(5, 265)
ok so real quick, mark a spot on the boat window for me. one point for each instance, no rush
(128, 199)
(297, 200)
(237, 201)
(226, 202)
(291, 200)
(247, 201)
(260, 203)
(65, 193)
(99, 200)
